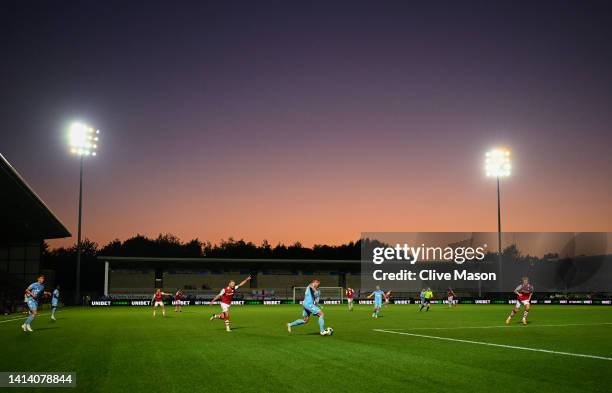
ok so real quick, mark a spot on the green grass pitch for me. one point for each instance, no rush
(127, 350)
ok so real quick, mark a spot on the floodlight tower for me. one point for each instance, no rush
(83, 141)
(497, 164)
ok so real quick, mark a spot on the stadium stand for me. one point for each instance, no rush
(26, 222)
(203, 277)
(125, 281)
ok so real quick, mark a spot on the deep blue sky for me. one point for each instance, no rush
(311, 121)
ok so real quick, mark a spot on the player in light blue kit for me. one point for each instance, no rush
(378, 296)
(311, 299)
(33, 293)
(54, 301)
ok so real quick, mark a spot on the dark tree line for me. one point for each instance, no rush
(170, 246)
(63, 260)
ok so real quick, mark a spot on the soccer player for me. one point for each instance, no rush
(422, 296)
(54, 301)
(349, 296)
(378, 296)
(178, 297)
(311, 300)
(451, 297)
(387, 298)
(226, 295)
(35, 291)
(158, 301)
(523, 292)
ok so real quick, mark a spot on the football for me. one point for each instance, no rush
(329, 331)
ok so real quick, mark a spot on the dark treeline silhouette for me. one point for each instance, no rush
(63, 260)
(170, 246)
(164, 246)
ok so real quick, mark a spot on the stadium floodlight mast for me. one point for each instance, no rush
(83, 142)
(497, 164)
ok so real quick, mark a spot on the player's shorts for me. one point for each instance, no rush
(523, 302)
(450, 299)
(310, 309)
(32, 304)
(350, 299)
(158, 304)
(225, 307)
(377, 304)
(54, 304)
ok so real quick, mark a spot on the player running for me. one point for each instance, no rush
(178, 297)
(523, 292)
(451, 297)
(310, 306)
(378, 296)
(34, 292)
(55, 301)
(387, 298)
(158, 301)
(226, 295)
(426, 295)
(349, 297)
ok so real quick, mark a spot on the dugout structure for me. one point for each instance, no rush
(201, 278)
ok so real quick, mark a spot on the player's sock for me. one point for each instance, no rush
(53, 312)
(297, 322)
(525, 314)
(512, 313)
(29, 319)
(422, 306)
(321, 324)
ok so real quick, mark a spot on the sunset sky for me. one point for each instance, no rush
(311, 122)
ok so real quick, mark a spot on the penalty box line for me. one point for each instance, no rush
(580, 355)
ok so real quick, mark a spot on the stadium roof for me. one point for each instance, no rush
(23, 214)
(233, 260)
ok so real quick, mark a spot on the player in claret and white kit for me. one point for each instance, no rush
(349, 297)
(158, 301)
(178, 297)
(226, 295)
(387, 297)
(523, 292)
(451, 297)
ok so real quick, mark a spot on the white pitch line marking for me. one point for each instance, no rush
(20, 319)
(23, 318)
(506, 326)
(496, 345)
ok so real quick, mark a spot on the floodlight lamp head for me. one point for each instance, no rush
(497, 163)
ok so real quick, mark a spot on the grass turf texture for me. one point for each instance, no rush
(126, 349)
